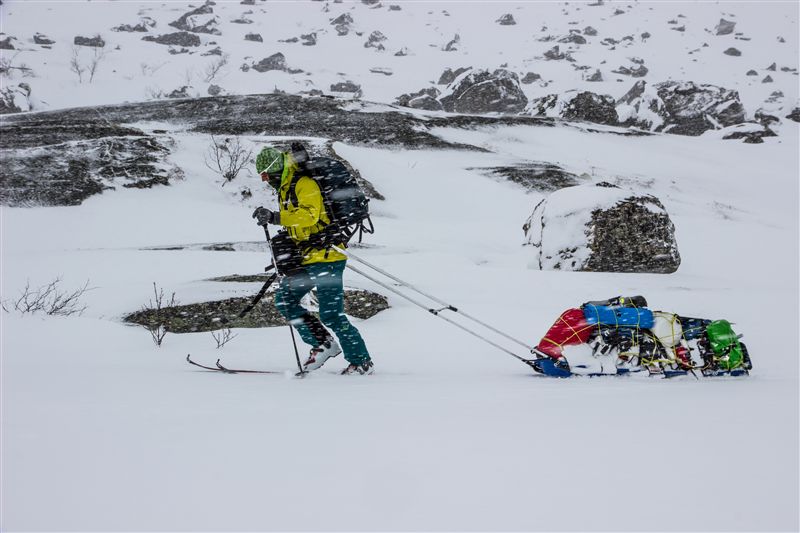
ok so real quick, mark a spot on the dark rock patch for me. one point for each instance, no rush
(506, 20)
(276, 61)
(573, 38)
(6, 44)
(210, 316)
(180, 38)
(752, 73)
(530, 77)
(255, 37)
(43, 39)
(482, 91)
(190, 21)
(539, 177)
(426, 99)
(342, 24)
(724, 27)
(732, 52)
(597, 76)
(794, 115)
(375, 40)
(309, 39)
(95, 42)
(450, 75)
(591, 32)
(346, 87)
(767, 79)
(554, 54)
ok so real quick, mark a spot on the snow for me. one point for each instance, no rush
(102, 430)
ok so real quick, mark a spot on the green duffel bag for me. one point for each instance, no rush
(728, 352)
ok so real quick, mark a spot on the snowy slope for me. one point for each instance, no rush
(135, 70)
(102, 430)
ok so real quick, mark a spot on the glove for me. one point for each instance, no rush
(264, 216)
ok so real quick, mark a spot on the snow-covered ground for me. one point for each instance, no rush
(104, 431)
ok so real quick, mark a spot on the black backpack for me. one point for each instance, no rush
(345, 203)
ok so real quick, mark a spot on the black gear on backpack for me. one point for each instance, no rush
(345, 203)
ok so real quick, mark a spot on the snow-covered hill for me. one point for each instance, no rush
(388, 49)
(103, 430)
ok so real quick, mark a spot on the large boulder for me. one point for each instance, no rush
(15, 98)
(574, 105)
(602, 228)
(481, 91)
(680, 107)
(276, 61)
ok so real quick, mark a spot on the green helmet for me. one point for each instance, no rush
(269, 160)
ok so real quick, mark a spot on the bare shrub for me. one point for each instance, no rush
(49, 299)
(223, 336)
(156, 308)
(76, 65)
(8, 65)
(154, 93)
(213, 68)
(227, 157)
(98, 55)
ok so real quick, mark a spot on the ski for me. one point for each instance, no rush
(226, 370)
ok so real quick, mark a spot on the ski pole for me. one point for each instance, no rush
(447, 307)
(437, 313)
(280, 276)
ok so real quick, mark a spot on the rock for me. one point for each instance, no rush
(597, 76)
(402, 52)
(767, 79)
(180, 38)
(682, 108)
(724, 27)
(781, 39)
(95, 42)
(752, 72)
(530, 77)
(371, 3)
(42, 39)
(772, 68)
(15, 98)
(449, 75)
(216, 51)
(248, 2)
(588, 30)
(554, 54)
(214, 90)
(732, 52)
(346, 87)
(679, 28)
(794, 115)
(481, 91)
(342, 24)
(573, 38)
(255, 37)
(788, 69)
(274, 62)
(751, 133)
(425, 99)
(139, 28)
(618, 12)
(636, 72)
(200, 20)
(573, 105)
(602, 228)
(452, 46)
(536, 176)
(5, 44)
(375, 40)
(646, 35)
(242, 20)
(183, 92)
(205, 316)
(506, 20)
(394, 7)
(309, 39)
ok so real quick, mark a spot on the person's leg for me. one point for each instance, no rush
(287, 300)
(330, 292)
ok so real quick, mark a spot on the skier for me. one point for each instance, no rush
(321, 267)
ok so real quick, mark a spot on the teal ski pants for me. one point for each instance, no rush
(327, 278)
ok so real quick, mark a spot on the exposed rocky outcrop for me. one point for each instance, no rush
(425, 99)
(6, 44)
(180, 38)
(84, 167)
(481, 91)
(210, 316)
(573, 105)
(683, 108)
(538, 176)
(342, 24)
(449, 75)
(794, 115)
(752, 133)
(346, 87)
(506, 20)
(602, 228)
(43, 40)
(95, 42)
(200, 20)
(724, 27)
(255, 37)
(15, 98)
(375, 40)
(276, 61)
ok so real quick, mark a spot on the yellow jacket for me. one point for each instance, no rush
(308, 217)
